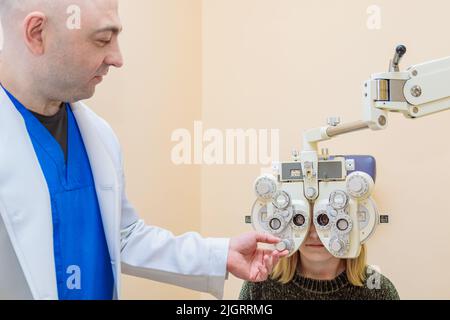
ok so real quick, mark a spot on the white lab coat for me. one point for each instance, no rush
(27, 269)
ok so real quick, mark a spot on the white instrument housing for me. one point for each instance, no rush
(342, 211)
(338, 198)
(285, 215)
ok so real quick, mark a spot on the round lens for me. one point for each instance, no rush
(275, 224)
(299, 220)
(342, 224)
(323, 220)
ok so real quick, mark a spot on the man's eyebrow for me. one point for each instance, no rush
(113, 29)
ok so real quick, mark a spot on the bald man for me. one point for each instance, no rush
(67, 230)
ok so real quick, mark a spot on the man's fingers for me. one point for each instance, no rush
(268, 262)
(282, 254)
(277, 255)
(263, 269)
(262, 273)
(256, 275)
(267, 238)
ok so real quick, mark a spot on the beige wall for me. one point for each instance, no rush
(289, 64)
(285, 64)
(157, 90)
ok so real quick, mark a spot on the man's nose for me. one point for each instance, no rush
(115, 58)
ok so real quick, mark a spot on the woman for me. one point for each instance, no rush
(314, 274)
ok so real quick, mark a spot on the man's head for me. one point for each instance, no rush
(60, 47)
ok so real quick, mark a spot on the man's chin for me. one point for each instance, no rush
(85, 95)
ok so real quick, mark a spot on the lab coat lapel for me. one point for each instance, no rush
(25, 205)
(106, 181)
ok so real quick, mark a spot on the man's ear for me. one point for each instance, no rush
(33, 32)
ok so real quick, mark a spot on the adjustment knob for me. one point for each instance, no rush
(337, 246)
(311, 193)
(281, 200)
(265, 187)
(338, 200)
(359, 185)
(400, 50)
(284, 245)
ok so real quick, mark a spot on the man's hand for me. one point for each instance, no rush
(248, 262)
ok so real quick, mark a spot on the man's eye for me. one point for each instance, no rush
(103, 42)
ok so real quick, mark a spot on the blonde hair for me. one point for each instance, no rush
(355, 269)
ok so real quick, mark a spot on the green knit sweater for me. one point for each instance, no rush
(377, 287)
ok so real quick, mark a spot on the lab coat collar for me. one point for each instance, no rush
(106, 183)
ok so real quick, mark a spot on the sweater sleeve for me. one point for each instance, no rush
(388, 290)
(245, 293)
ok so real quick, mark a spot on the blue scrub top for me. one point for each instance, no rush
(82, 260)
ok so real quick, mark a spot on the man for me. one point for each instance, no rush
(67, 230)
